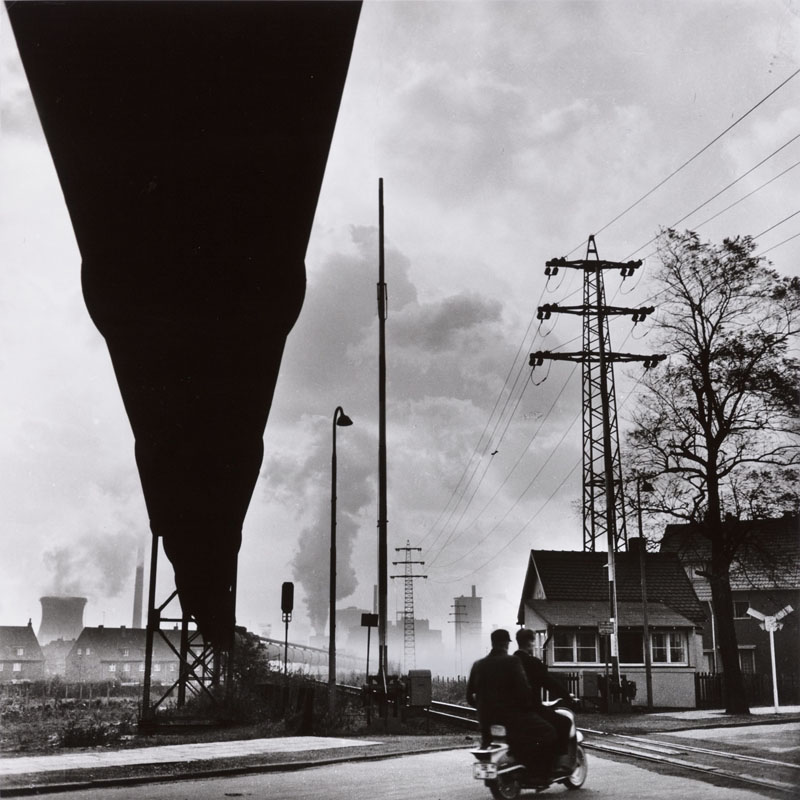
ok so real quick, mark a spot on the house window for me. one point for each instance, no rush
(112, 667)
(16, 667)
(156, 667)
(80, 651)
(126, 667)
(141, 667)
(172, 668)
(668, 648)
(631, 648)
(740, 609)
(2, 666)
(88, 651)
(747, 661)
(125, 652)
(575, 646)
(19, 651)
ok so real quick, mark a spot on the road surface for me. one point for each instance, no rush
(430, 776)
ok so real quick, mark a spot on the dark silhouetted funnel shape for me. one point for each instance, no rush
(190, 140)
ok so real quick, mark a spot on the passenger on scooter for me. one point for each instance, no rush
(538, 679)
(498, 688)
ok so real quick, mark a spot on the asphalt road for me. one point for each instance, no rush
(431, 776)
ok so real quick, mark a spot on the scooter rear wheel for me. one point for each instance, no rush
(505, 787)
(578, 776)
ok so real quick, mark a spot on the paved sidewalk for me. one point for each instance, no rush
(171, 754)
(715, 713)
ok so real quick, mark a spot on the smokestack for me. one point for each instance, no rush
(138, 589)
(62, 618)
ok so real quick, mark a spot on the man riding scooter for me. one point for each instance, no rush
(538, 679)
(498, 688)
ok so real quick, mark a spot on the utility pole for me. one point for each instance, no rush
(602, 470)
(459, 614)
(383, 662)
(409, 644)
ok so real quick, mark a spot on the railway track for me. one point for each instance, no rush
(779, 777)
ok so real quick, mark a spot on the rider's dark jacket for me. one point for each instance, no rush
(497, 687)
(538, 678)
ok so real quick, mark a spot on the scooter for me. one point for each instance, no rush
(506, 778)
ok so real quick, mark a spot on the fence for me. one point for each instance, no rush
(710, 689)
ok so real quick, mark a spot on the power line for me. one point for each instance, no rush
(764, 252)
(721, 191)
(772, 227)
(513, 469)
(690, 160)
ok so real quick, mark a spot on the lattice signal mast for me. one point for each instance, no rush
(409, 644)
(603, 505)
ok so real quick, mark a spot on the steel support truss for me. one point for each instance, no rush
(201, 669)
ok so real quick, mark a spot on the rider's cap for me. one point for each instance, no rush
(500, 636)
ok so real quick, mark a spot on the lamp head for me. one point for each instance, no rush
(343, 420)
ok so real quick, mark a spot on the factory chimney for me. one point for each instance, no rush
(62, 618)
(138, 589)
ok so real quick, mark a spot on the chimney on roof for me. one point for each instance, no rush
(473, 591)
(635, 544)
(62, 618)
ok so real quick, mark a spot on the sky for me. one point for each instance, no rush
(506, 133)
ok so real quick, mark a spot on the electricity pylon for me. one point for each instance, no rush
(603, 505)
(602, 468)
(409, 644)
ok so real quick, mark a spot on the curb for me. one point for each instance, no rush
(201, 774)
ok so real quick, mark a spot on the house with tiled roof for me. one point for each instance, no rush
(766, 577)
(21, 659)
(565, 601)
(103, 654)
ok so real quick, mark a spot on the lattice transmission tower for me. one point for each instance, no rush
(409, 643)
(603, 502)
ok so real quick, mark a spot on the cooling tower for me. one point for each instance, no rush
(62, 618)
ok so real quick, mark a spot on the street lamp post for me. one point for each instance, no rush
(340, 419)
(648, 665)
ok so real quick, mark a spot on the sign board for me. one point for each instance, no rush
(605, 628)
(369, 620)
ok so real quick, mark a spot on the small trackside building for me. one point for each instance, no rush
(565, 601)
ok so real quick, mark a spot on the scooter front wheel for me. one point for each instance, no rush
(578, 776)
(505, 787)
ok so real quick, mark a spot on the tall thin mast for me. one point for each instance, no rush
(382, 512)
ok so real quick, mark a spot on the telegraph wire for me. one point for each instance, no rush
(749, 194)
(514, 467)
(764, 252)
(477, 448)
(541, 507)
(772, 227)
(721, 191)
(690, 160)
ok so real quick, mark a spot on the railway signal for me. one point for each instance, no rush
(772, 623)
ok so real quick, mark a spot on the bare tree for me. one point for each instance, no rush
(716, 429)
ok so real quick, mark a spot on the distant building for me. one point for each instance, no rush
(468, 622)
(117, 654)
(21, 659)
